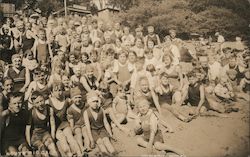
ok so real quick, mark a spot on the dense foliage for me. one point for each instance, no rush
(230, 17)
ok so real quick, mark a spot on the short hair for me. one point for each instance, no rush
(150, 26)
(132, 51)
(167, 56)
(85, 54)
(28, 51)
(16, 56)
(7, 78)
(57, 85)
(110, 51)
(147, 51)
(41, 30)
(143, 78)
(38, 71)
(89, 67)
(150, 40)
(150, 68)
(163, 74)
(141, 100)
(35, 95)
(123, 52)
(140, 60)
(16, 95)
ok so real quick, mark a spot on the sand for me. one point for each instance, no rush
(202, 137)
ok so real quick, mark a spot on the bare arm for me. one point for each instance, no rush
(87, 123)
(156, 101)
(70, 119)
(85, 84)
(153, 128)
(29, 91)
(202, 97)
(27, 134)
(106, 125)
(27, 80)
(99, 70)
(52, 123)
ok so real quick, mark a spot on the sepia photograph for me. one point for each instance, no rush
(124, 78)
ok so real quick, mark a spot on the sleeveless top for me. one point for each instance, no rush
(19, 78)
(123, 73)
(194, 95)
(153, 38)
(42, 52)
(5, 40)
(91, 82)
(98, 123)
(74, 113)
(145, 122)
(166, 97)
(60, 115)
(44, 91)
(40, 124)
(27, 43)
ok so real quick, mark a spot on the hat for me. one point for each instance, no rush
(92, 94)
(75, 91)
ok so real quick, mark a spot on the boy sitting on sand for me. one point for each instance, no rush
(148, 126)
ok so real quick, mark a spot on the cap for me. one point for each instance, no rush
(75, 91)
(91, 95)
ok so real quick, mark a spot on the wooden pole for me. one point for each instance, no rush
(65, 7)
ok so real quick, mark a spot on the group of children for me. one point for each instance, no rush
(68, 82)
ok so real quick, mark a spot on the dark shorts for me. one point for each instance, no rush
(14, 143)
(101, 133)
(39, 137)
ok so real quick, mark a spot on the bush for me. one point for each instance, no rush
(191, 16)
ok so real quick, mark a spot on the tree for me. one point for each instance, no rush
(123, 4)
(191, 16)
(48, 6)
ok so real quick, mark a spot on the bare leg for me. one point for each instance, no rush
(163, 123)
(244, 96)
(178, 115)
(165, 147)
(51, 147)
(78, 137)
(101, 146)
(63, 143)
(116, 121)
(108, 145)
(86, 138)
(141, 142)
(71, 140)
(216, 106)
